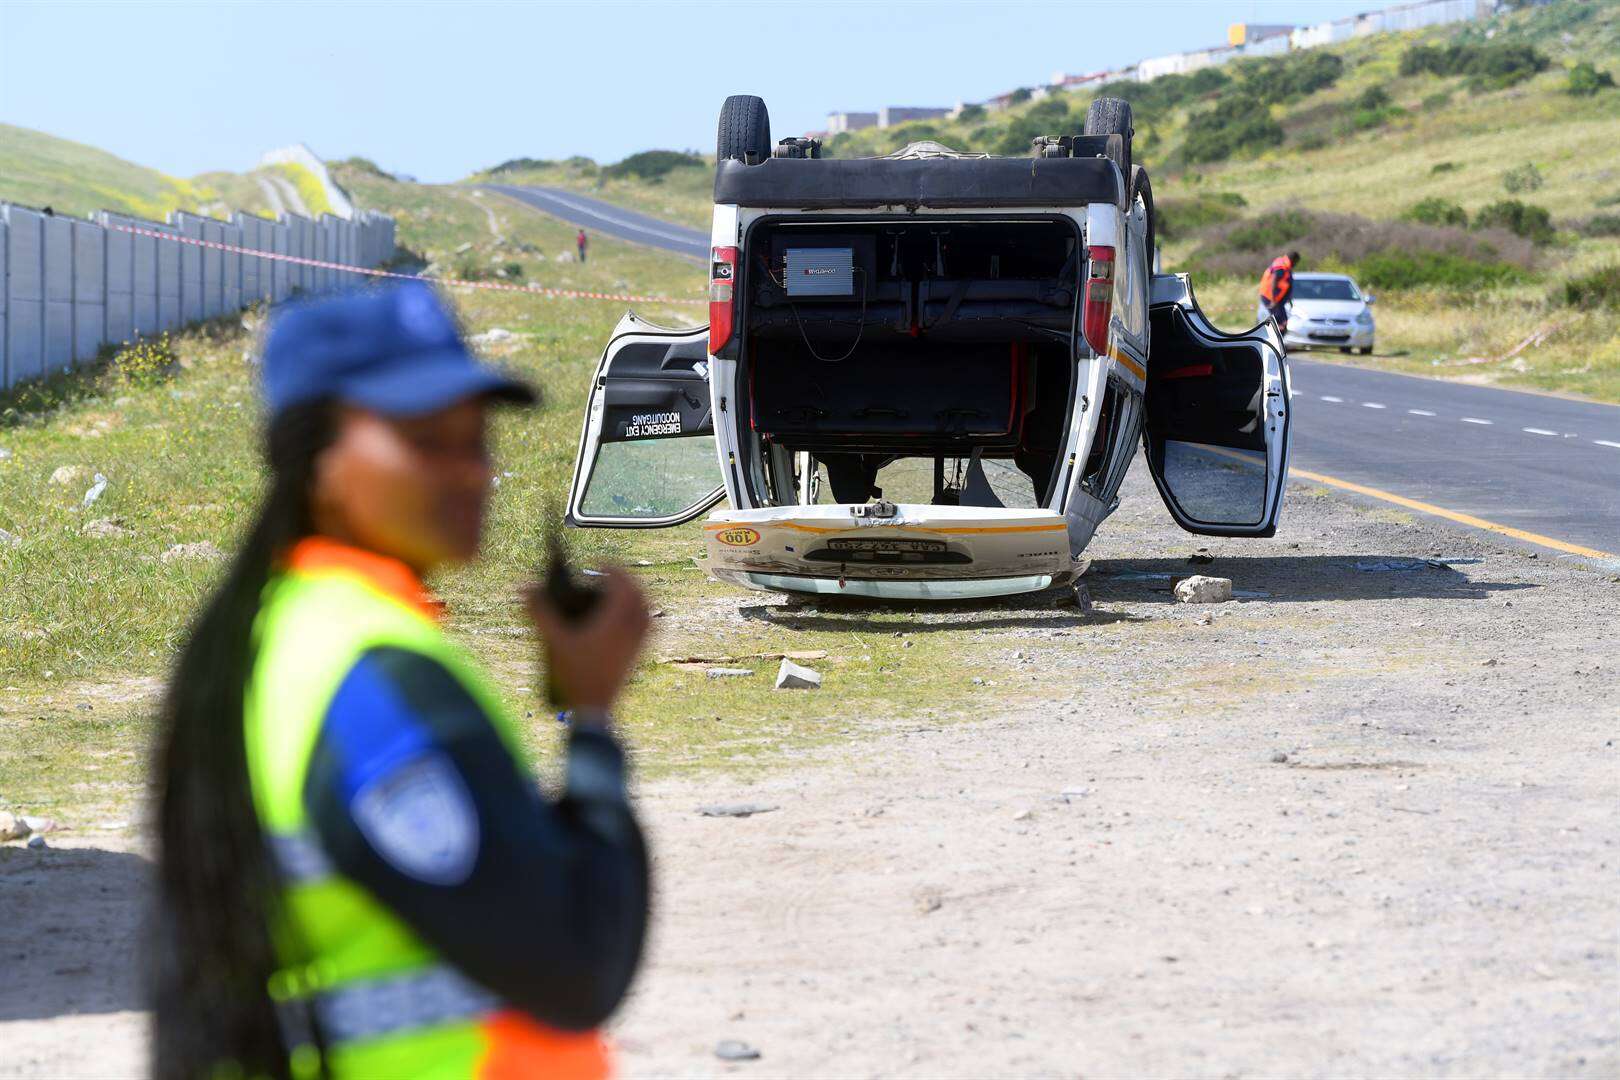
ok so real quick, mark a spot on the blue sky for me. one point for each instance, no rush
(439, 90)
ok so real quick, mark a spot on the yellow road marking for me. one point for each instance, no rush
(1453, 515)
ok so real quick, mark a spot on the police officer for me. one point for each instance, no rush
(359, 876)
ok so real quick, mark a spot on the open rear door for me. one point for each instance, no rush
(1217, 423)
(646, 455)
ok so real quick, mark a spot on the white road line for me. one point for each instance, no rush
(1420, 412)
(1371, 405)
(1335, 400)
(1538, 431)
(1475, 420)
(1606, 442)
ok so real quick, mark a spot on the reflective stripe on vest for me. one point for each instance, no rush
(417, 999)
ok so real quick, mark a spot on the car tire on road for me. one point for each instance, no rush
(1112, 116)
(745, 130)
(1365, 350)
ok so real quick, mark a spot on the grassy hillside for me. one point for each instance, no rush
(1517, 177)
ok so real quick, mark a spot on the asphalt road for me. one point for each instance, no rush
(596, 215)
(1543, 465)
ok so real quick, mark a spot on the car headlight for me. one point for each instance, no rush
(1364, 319)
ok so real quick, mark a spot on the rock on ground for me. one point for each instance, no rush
(201, 549)
(1199, 589)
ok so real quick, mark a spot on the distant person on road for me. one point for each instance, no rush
(358, 874)
(580, 242)
(1277, 288)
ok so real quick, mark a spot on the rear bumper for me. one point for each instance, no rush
(922, 552)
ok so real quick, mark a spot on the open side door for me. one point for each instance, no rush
(1217, 425)
(646, 454)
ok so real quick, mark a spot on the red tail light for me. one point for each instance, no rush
(1099, 299)
(722, 297)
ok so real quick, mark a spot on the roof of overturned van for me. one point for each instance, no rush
(933, 181)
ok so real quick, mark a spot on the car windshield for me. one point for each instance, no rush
(1325, 289)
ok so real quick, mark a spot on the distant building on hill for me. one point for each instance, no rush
(840, 122)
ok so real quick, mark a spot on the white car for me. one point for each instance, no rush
(882, 329)
(1329, 311)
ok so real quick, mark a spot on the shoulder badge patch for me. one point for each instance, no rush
(421, 819)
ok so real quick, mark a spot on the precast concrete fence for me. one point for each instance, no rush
(68, 285)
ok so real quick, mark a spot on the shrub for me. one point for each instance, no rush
(971, 114)
(365, 165)
(1434, 269)
(1490, 66)
(1312, 140)
(1348, 240)
(1599, 225)
(654, 164)
(1236, 125)
(1533, 223)
(1584, 80)
(1274, 79)
(1443, 167)
(520, 164)
(1374, 97)
(1524, 178)
(147, 362)
(513, 270)
(1020, 95)
(1599, 289)
(1437, 211)
(1438, 100)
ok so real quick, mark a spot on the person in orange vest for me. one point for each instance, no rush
(358, 875)
(1277, 288)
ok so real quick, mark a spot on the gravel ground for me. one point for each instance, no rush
(1360, 821)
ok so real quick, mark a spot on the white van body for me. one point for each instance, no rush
(949, 325)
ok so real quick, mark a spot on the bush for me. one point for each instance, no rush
(1584, 80)
(1599, 289)
(1407, 251)
(1020, 95)
(1524, 178)
(1374, 97)
(146, 363)
(1521, 219)
(1236, 125)
(1313, 140)
(971, 114)
(1443, 167)
(1490, 66)
(1438, 100)
(654, 164)
(1599, 225)
(1437, 211)
(1433, 269)
(1274, 79)
(513, 270)
(520, 164)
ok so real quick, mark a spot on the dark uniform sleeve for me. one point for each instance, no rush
(415, 796)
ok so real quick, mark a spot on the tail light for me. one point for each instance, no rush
(1099, 299)
(722, 297)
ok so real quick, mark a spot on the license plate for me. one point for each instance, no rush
(887, 546)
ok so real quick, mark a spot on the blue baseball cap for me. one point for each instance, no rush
(394, 350)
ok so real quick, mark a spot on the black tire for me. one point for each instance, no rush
(1344, 349)
(1112, 116)
(1365, 350)
(745, 130)
(1142, 187)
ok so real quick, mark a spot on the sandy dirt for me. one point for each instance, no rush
(1362, 824)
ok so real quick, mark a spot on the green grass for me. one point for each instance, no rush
(89, 624)
(41, 170)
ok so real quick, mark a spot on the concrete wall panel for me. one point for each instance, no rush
(120, 283)
(58, 293)
(89, 290)
(230, 269)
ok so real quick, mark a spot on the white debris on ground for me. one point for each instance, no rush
(791, 676)
(1199, 589)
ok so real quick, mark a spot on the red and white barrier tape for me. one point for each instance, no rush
(533, 290)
